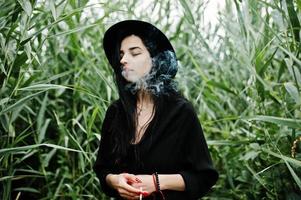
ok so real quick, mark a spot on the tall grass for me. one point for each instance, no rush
(242, 74)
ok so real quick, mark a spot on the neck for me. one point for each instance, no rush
(144, 98)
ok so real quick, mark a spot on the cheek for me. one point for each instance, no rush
(143, 66)
(148, 65)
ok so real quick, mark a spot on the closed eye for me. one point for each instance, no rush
(135, 54)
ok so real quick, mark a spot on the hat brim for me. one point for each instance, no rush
(132, 26)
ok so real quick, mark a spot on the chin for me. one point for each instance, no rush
(132, 79)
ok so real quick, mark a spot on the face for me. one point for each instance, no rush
(135, 59)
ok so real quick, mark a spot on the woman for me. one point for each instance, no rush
(152, 143)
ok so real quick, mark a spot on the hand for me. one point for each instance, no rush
(146, 183)
(123, 183)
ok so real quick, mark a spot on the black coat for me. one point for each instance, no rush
(172, 144)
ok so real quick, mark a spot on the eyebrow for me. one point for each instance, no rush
(131, 49)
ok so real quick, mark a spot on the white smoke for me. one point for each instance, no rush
(160, 78)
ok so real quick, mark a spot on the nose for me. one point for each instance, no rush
(123, 60)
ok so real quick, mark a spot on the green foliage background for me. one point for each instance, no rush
(242, 74)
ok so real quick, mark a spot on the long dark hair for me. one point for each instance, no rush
(160, 84)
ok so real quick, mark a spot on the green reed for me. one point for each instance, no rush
(242, 74)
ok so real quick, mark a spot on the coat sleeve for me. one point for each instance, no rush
(199, 174)
(104, 162)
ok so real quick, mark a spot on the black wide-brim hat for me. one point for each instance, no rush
(114, 35)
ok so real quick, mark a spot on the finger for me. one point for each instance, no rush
(138, 179)
(128, 195)
(131, 189)
(124, 196)
(131, 178)
(128, 178)
(136, 197)
(138, 185)
(142, 189)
